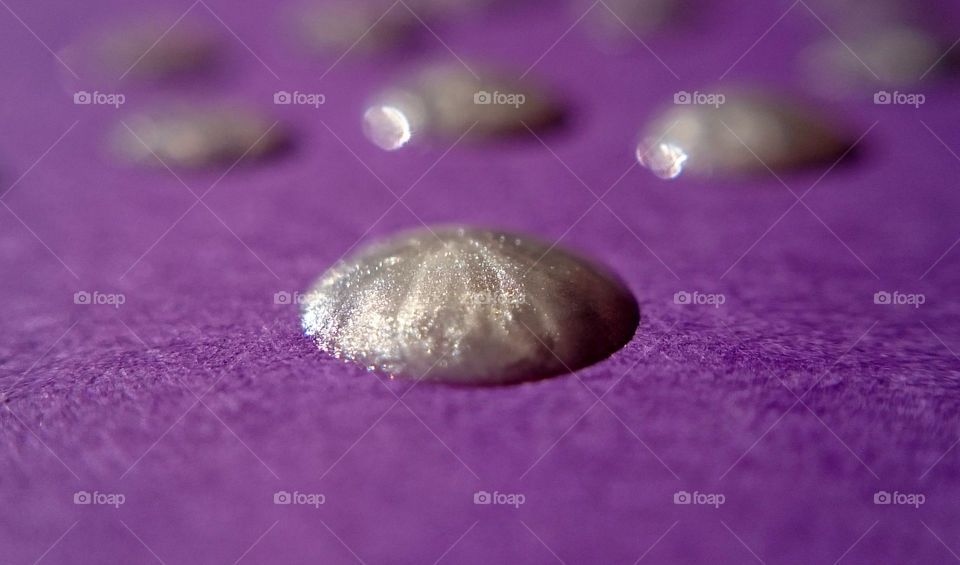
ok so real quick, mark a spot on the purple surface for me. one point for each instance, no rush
(198, 398)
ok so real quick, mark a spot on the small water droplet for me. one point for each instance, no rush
(149, 49)
(194, 137)
(447, 101)
(741, 132)
(890, 55)
(336, 27)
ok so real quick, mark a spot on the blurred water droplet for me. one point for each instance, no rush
(447, 100)
(738, 132)
(200, 136)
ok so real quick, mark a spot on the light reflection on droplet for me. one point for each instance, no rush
(387, 126)
(665, 160)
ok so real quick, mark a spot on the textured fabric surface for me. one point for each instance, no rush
(199, 398)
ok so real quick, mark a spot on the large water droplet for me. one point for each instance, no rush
(473, 306)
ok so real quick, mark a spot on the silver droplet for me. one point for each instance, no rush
(746, 133)
(885, 56)
(198, 137)
(466, 305)
(447, 100)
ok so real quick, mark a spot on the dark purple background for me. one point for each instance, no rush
(199, 397)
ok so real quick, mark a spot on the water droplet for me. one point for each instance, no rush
(335, 27)
(150, 49)
(623, 20)
(747, 132)
(447, 100)
(198, 137)
(466, 305)
(886, 56)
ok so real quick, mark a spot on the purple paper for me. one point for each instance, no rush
(198, 400)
